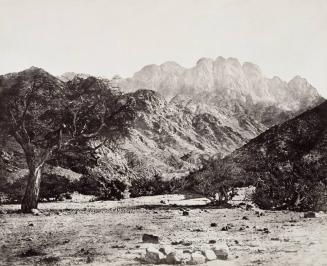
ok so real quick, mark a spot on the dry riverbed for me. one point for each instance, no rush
(110, 233)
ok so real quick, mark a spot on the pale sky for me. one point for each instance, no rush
(108, 37)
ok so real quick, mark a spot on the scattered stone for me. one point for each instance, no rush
(212, 241)
(225, 228)
(3, 212)
(162, 202)
(175, 243)
(245, 218)
(186, 213)
(36, 212)
(30, 224)
(310, 215)
(153, 255)
(210, 255)
(197, 258)
(248, 207)
(186, 243)
(167, 249)
(118, 246)
(236, 242)
(266, 230)
(259, 213)
(213, 224)
(197, 230)
(139, 227)
(221, 250)
(147, 238)
(175, 257)
(274, 238)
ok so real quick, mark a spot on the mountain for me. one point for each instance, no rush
(297, 146)
(218, 108)
(228, 84)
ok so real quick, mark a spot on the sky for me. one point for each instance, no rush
(108, 37)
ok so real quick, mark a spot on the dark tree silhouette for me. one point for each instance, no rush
(48, 118)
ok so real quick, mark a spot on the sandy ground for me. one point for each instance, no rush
(109, 233)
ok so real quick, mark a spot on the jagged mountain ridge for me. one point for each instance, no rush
(225, 82)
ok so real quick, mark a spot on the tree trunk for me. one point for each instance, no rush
(31, 195)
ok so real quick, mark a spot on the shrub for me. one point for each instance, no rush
(102, 187)
(290, 186)
(152, 186)
(212, 181)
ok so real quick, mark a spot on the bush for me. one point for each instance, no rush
(152, 186)
(212, 181)
(290, 186)
(102, 187)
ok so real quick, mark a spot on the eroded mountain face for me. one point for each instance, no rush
(229, 86)
(297, 146)
(183, 114)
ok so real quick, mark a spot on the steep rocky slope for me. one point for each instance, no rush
(297, 146)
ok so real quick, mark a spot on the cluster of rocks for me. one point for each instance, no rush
(167, 254)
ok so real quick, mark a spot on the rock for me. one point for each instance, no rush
(167, 249)
(197, 258)
(225, 228)
(175, 257)
(221, 250)
(153, 255)
(213, 224)
(36, 212)
(274, 238)
(210, 255)
(248, 207)
(259, 213)
(266, 230)
(162, 202)
(139, 227)
(147, 238)
(310, 215)
(186, 213)
(30, 224)
(212, 241)
(186, 243)
(245, 218)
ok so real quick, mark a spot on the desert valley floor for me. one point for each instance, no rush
(110, 233)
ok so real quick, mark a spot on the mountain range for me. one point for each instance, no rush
(184, 114)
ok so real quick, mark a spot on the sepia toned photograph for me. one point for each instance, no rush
(163, 132)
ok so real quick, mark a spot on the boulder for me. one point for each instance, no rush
(153, 255)
(175, 257)
(197, 258)
(310, 215)
(148, 238)
(209, 254)
(221, 250)
(36, 212)
(186, 213)
(167, 249)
